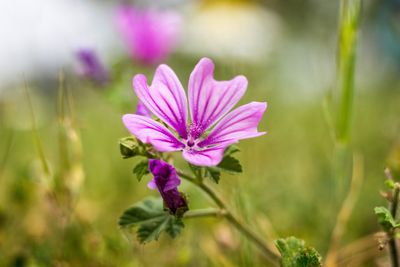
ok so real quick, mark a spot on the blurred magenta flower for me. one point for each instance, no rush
(150, 35)
(166, 180)
(91, 67)
(142, 110)
(202, 143)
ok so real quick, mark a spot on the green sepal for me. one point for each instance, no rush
(214, 174)
(231, 150)
(132, 147)
(180, 211)
(150, 219)
(141, 169)
(230, 165)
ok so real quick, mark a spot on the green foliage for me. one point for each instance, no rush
(213, 173)
(141, 169)
(296, 254)
(386, 219)
(350, 11)
(151, 220)
(231, 150)
(230, 164)
(131, 147)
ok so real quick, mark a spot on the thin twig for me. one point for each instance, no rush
(204, 213)
(269, 254)
(394, 255)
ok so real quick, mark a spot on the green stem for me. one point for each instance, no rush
(204, 213)
(394, 255)
(348, 27)
(270, 255)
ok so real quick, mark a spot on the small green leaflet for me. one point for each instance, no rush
(141, 169)
(296, 254)
(230, 165)
(231, 150)
(151, 220)
(386, 219)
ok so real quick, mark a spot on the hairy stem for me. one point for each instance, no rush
(204, 213)
(270, 255)
(394, 255)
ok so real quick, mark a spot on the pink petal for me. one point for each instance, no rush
(158, 169)
(152, 132)
(209, 99)
(165, 98)
(239, 124)
(152, 184)
(142, 110)
(207, 157)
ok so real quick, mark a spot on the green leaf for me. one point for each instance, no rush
(151, 220)
(174, 227)
(196, 170)
(214, 174)
(230, 164)
(386, 219)
(141, 169)
(295, 254)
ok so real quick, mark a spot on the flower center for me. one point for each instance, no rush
(190, 143)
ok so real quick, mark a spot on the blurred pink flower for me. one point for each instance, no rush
(211, 128)
(150, 35)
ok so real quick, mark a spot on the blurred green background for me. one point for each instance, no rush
(290, 184)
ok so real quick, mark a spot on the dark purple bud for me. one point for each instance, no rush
(166, 180)
(91, 67)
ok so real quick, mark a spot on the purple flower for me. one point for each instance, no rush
(142, 110)
(210, 129)
(150, 35)
(166, 180)
(91, 67)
